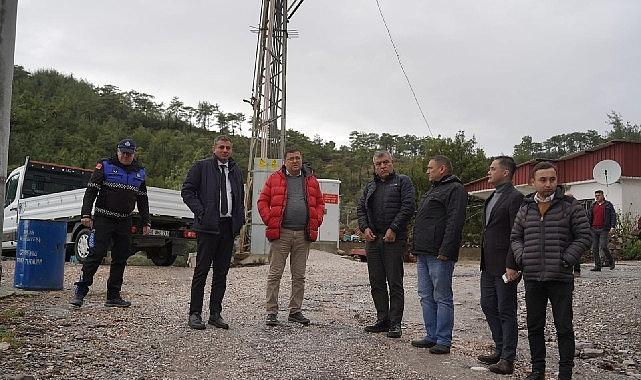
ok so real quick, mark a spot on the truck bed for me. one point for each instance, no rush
(68, 204)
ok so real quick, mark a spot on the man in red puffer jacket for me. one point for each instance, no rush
(291, 206)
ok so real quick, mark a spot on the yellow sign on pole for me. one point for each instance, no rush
(274, 164)
(262, 164)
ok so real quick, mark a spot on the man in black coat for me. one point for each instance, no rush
(383, 213)
(437, 236)
(214, 192)
(498, 293)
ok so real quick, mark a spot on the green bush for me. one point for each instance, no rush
(632, 250)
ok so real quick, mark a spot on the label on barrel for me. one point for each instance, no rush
(28, 257)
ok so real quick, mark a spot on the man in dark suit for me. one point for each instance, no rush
(213, 190)
(499, 276)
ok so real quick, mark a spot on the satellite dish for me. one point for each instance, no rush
(606, 172)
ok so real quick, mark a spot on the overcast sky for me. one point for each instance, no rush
(495, 69)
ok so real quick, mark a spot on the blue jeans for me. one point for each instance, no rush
(435, 291)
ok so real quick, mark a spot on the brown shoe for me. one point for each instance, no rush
(503, 367)
(492, 358)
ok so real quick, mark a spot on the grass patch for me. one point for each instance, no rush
(139, 259)
(9, 337)
(181, 261)
(8, 316)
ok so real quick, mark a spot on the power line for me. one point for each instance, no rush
(398, 57)
(295, 8)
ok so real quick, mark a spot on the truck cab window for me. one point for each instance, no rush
(11, 189)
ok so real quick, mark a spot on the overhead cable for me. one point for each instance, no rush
(398, 57)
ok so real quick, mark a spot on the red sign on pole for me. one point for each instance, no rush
(330, 198)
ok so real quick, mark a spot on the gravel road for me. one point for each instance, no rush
(52, 339)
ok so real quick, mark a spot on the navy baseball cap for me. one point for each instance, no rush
(127, 146)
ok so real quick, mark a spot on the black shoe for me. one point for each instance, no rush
(489, 359)
(79, 294)
(565, 373)
(536, 374)
(117, 302)
(503, 367)
(612, 266)
(440, 350)
(217, 321)
(196, 322)
(595, 269)
(272, 320)
(298, 317)
(378, 327)
(394, 331)
(422, 343)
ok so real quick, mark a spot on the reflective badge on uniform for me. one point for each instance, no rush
(99, 165)
(91, 242)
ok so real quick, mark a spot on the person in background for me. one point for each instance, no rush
(603, 219)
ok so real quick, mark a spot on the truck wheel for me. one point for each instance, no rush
(163, 261)
(81, 245)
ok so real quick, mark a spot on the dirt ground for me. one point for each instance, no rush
(43, 336)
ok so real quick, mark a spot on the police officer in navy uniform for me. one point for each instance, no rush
(116, 185)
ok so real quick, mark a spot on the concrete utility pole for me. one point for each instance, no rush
(8, 16)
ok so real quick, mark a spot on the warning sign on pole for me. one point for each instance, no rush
(330, 198)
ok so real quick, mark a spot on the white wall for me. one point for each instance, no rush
(585, 190)
(631, 196)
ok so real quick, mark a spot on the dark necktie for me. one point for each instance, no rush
(224, 207)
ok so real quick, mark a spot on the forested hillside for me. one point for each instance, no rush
(58, 118)
(61, 119)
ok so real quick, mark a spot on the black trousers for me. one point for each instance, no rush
(213, 249)
(385, 267)
(108, 231)
(537, 294)
(498, 302)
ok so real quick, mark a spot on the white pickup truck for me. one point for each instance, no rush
(40, 190)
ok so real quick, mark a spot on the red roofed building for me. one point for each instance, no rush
(575, 173)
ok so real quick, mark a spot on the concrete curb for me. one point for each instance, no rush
(7, 291)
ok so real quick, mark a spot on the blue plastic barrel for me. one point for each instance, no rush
(40, 255)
